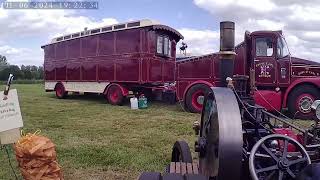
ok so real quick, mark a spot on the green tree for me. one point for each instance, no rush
(3, 62)
(40, 72)
(26, 72)
(13, 69)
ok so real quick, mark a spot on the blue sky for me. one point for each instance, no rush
(176, 13)
(22, 32)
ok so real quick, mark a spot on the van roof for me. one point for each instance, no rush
(117, 27)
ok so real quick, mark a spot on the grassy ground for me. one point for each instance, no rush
(98, 141)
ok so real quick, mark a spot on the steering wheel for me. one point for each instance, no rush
(270, 159)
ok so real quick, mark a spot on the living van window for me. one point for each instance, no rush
(160, 44)
(166, 46)
(163, 46)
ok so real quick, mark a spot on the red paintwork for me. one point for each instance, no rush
(59, 91)
(114, 96)
(129, 58)
(290, 133)
(126, 56)
(199, 70)
(124, 90)
(187, 84)
(283, 73)
(194, 100)
(271, 100)
(296, 83)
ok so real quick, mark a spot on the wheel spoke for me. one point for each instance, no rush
(269, 152)
(270, 168)
(280, 175)
(297, 161)
(285, 148)
(291, 173)
(270, 175)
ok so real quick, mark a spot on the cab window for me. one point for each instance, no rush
(163, 46)
(264, 47)
(282, 49)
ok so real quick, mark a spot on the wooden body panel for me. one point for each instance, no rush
(121, 56)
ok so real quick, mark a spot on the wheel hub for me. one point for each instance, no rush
(197, 99)
(59, 91)
(283, 163)
(305, 104)
(114, 96)
(200, 99)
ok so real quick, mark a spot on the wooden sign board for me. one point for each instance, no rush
(10, 136)
(10, 114)
(10, 117)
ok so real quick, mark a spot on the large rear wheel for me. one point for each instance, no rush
(300, 101)
(195, 96)
(114, 95)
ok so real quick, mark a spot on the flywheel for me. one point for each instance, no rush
(220, 141)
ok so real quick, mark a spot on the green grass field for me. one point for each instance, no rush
(95, 140)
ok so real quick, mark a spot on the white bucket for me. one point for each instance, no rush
(134, 103)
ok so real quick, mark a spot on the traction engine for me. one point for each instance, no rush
(238, 139)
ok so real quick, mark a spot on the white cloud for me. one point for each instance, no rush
(45, 23)
(21, 55)
(40, 24)
(299, 20)
(200, 41)
(7, 50)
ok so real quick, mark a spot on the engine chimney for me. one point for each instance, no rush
(227, 53)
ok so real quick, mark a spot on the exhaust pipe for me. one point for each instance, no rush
(227, 53)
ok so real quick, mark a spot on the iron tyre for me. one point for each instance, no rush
(181, 152)
(114, 95)
(300, 100)
(61, 93)
(193, 95)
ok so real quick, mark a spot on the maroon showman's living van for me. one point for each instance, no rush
(114, 60)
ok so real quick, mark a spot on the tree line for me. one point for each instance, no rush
(22, 72)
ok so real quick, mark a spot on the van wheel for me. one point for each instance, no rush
(114, 95)
(300, 101)
(195, 96)
(61, 93)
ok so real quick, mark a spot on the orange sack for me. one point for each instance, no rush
(37, 158)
